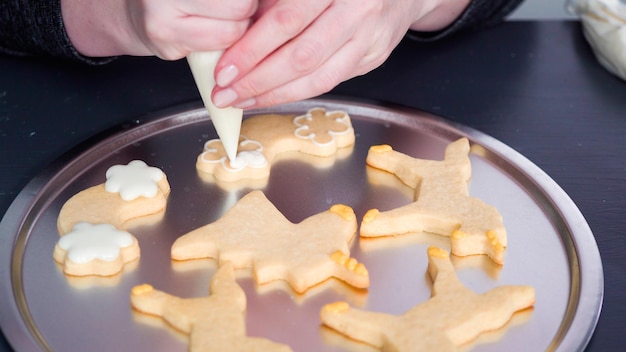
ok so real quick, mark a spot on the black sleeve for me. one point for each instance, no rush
(479, 13)
(35, 28)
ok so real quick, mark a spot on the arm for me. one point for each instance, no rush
(36, 28)
(477, 14)
(87, 29)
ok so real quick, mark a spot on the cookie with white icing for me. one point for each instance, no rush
(265, 138)
(130, 192)
(254, 234)
(442, 204)
(100, 250)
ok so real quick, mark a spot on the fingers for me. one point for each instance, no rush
(327, 52)
(224, 10)
(193, 34)
(173, 29)
(343, 65)
(279, 22)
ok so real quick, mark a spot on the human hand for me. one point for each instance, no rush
(297, 49)
(168, 29)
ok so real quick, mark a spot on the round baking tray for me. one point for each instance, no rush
(550, 245)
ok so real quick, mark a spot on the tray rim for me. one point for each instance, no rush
(582, 249)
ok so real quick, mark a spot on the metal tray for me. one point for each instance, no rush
(550, 244)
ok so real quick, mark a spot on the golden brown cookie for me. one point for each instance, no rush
(453, 316)
(100, 250)
(254, 234)
(131, 191)
(442, 203)
(213, 323)
(265, 137)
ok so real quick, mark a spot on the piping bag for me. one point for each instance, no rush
(227, 121)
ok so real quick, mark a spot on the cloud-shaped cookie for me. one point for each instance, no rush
(99, 249)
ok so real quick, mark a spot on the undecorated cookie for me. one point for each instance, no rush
(254, 234)
(213, 323)
(442, 204)
(453, 316)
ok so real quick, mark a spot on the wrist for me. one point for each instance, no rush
(98, 28)
(439, 15)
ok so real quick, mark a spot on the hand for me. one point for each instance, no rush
(169, 29)
(298, 49)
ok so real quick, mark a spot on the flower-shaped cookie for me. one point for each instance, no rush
(133, 180)
(98, 249)
(454, 315)
(321, 127)
(318, 133)
(249, 161)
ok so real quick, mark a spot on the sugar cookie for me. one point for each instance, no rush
(131, 191)
(254, 234)
(453, 316)
(442, 203)
(264, 137)
(213, 323)
(98, 249)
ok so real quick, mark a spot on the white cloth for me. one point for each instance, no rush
(604, 27)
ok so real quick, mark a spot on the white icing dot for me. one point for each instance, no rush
(246, 158)
(87, 242)
(250, 158)
(133, 180)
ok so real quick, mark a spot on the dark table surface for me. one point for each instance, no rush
(535, 86)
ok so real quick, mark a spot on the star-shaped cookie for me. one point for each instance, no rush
(213, 323)
(254, 234)
(442, 203)
(454, 315)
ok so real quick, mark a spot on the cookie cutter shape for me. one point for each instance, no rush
(454, 315)
(100, 250)
(254, 234)
(442, 202)
(213, 323)
(97, 205)
(317, 133)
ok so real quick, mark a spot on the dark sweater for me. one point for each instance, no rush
(35, 27)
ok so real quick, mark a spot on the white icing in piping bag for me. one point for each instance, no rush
(227, 121)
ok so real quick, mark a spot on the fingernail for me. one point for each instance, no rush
(226, 75)
(224, 98)
(246, 103)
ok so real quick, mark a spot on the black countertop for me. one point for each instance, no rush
(533, 85)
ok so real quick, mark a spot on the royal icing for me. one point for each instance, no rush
(133, 180)
(312, 126)
(87, 242)
(250, 155)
